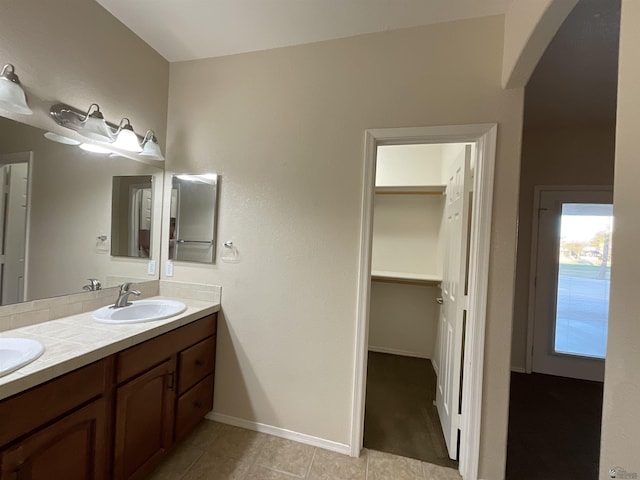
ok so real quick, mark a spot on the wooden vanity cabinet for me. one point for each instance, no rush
(144, 416)
(154, 406)
(115, 418)
(58, 429)
(71, 448)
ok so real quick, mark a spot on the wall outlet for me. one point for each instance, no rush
(151, 267)
(169, 271)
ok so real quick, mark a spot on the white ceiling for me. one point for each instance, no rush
(191, 29)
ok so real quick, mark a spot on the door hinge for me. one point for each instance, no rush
(456, 420)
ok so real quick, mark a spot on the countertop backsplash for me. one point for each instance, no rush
(38, 311)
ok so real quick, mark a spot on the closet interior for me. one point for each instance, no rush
(410, 255)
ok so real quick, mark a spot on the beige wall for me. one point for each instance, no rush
(620, 416)
(285, 129)
(403, 319)
(409, 165)
(75, 52)
(554, 156)
(406, 233)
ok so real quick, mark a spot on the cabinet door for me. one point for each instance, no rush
(71, 448)
(143, 427)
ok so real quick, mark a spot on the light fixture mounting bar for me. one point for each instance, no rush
(73, 118)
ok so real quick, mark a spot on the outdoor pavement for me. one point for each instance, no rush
(582, 314)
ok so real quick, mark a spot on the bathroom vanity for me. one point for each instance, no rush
(116, 417)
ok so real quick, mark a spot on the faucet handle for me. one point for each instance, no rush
(125, 287)
(94, 284)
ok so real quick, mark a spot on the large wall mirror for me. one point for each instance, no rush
(192, 221)
(56, 216)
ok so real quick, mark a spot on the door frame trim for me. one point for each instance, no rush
(533, 261)
(484, 136)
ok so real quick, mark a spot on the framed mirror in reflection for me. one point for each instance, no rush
(192, 220)
(55, 217)
(131, 216)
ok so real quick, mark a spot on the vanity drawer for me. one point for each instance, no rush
(193, 406)
(29, 410)
(142, 357)
(195, 363)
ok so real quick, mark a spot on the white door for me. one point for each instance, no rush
(13, 210)
(452, 313)
(571, 283)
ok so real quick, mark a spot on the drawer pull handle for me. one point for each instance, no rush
(199, 363)
(197, 404)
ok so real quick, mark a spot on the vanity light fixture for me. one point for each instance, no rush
(90, 147)
(94, 125)
(12, 96)
(150, 146)
(126, 138)
(60, 139)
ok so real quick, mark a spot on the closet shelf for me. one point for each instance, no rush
(411, 190)
(406, 278)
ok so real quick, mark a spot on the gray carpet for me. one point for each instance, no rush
(554, 428)
(400, 417)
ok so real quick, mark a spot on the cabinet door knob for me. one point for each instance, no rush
(197, 404)
(199, 363)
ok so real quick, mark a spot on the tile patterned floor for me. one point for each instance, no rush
(222, 452)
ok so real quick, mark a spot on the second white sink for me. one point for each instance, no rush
(140, 311)
(18, 352)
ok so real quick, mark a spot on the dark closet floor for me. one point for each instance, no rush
(400, 417)
(554, 428)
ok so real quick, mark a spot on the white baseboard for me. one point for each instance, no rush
(280, 432)
(394, 351)
(519, 369)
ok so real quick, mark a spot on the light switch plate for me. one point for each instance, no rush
(151, 267)
(169, 271)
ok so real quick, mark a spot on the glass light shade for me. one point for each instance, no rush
(127, 140)
(12, 96)
(90, 147)
(95, 128)
(60, 139)
(152, 150)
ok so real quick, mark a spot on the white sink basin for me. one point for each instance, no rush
(15, 353)
(140, 311)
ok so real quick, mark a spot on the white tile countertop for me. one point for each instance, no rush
(78, 340)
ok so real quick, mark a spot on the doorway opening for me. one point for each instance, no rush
(421, 214)
(15, 174)
(423, 288)
(560, 305)
(569, 293)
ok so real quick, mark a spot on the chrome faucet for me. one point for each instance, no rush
(94, 285)
(123, 296)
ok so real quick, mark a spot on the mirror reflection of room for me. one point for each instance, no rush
(192, 218)
(55, 201)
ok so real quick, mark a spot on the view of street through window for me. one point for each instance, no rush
(583, 279)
